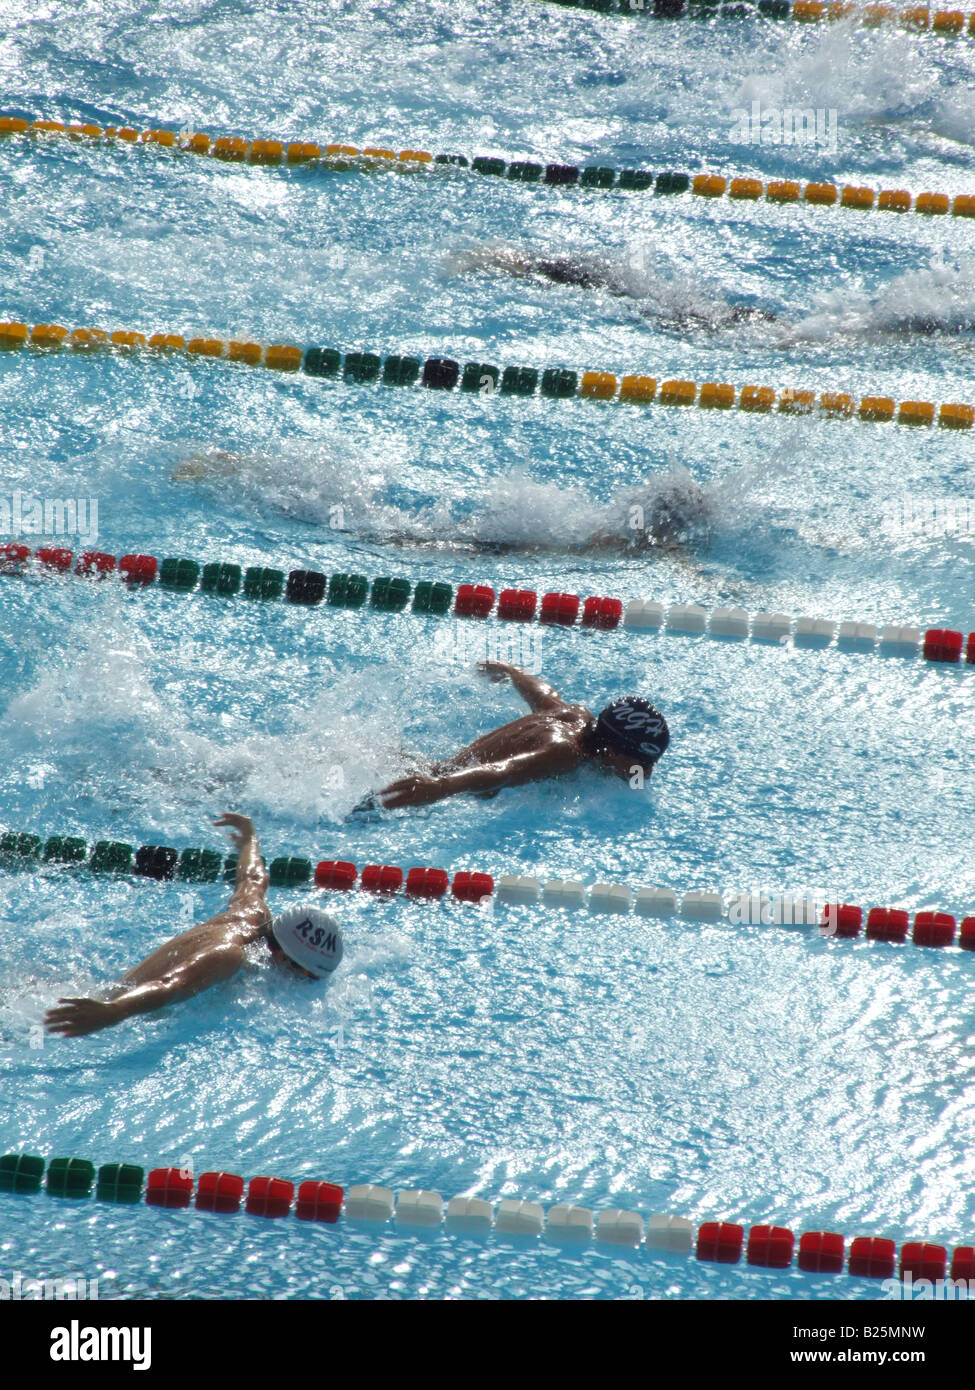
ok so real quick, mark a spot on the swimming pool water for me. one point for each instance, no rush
(746, 1073)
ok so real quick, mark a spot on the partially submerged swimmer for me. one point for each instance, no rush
(674, 513)
(675, 518)
(206, 464)
(669, 303)
(589, 273)
(304, 939)
(628, 736)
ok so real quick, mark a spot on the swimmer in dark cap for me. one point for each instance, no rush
(627, 737)
(305, 940)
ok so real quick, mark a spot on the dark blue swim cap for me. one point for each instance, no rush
(635, 727)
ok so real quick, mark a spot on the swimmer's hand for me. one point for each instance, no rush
(418, 790)
(241, 827)
(72, 1018)
(497, 670)
(532, 689)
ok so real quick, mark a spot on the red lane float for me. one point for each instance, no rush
(473, 600)
(382, 878)
(517, 605)
(138, 569)
(942, 644)
(53, 558)
(96, 564)
(559, 608)
(770, 1246)
(471, 887)
(169, 1187)
(319, 1201)
(842, 919)
(922, 1261)
(269, 1196)
(604, 613)
(933, 929)
(427, 883)
(13, 557)
(336, 874)
(872, 1257)
(219, 1192)
(720, 1242)
(821, 1252)
(887, 924)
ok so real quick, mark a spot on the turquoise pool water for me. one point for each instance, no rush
(744, 1073)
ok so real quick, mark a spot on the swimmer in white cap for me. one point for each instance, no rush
(628, 736)
(304, 939)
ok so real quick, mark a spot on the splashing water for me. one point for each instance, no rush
(317, 767)
(937, 298)
(659, 288)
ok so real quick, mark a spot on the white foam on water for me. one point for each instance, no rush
(865, 78)
(937, 297)
(328, 481)
(515, 510)
(115, 690)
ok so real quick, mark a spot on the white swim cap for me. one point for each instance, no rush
(310, 937)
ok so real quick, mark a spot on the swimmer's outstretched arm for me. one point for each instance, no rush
(74, 1017)
(196, 972)
(421, 790)
(535, 692)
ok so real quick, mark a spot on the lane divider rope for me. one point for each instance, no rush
(21, 850)
(745, 189)
(657, 1234)
(920, 18)
(484, 379)
(392, 594)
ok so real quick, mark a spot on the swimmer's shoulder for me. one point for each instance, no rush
(573, 714)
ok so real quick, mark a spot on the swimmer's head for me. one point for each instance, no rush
(306, 938)
(677, 512)
(208, 463)
(627, 732)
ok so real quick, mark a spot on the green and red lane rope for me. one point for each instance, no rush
(395, 595)
(23, 850)
(764, 1246)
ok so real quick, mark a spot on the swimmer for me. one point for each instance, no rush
(304, 939)
(676, 514)
(206, 464)
(675, 517)
(667, 513)
(556, 738)
(589, 273)
(671, 306)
